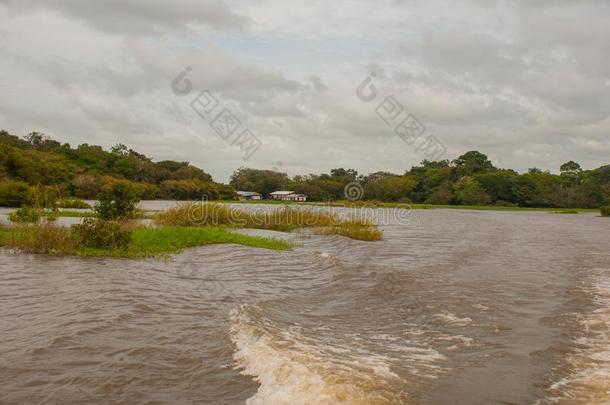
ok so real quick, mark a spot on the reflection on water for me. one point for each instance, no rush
(456, 307)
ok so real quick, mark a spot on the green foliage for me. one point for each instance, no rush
(13, 193)
(605, 211)
(468, 191)
(100, 234)
(148, 242)
(87, 170)
(570, 167)
(25, 215)
(43, 197)
(389, 188)
(472, 162)
(118, 202)
(261, 181)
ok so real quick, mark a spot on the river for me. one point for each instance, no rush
(452, 307)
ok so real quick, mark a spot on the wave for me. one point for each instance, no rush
(294, 369)
(589, 379)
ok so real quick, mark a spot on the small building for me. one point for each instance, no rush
(249, 195)
(288, 196)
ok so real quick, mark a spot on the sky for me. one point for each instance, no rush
(303, 87)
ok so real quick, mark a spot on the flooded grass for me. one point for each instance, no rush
(46, 238)
(285, 219)
(145, 242)
(358, 232)
(74, 214)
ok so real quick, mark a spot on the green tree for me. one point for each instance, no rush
(570, 167)
(469, 191)
(261, 181)
(13, 193)
(472, 162)
(118, 202)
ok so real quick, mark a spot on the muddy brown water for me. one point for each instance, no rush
(452, 307)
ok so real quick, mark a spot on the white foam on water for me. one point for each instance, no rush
(589, 382)
(453, 319)
(293, 369)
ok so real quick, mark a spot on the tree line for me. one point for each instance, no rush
(470, 179)
(86, 170)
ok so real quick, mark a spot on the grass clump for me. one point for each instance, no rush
(285, 219)
(45, 238)
(358, 232)
(73, 203)
(566, 211)
(75, 214)
(605, 211)
(24, 215)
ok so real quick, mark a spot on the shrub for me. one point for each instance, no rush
(605, 211)
(100, 234)
(43, 196)
(118, 202)
(24, 215)
(73, 203)
(13, 193)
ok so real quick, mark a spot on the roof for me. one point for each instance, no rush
(282, 192)
(247, 193)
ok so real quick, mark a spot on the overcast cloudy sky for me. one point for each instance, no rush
(527, 82)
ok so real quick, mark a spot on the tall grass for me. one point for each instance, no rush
(284, 219)
(45, 238)
(73, 203)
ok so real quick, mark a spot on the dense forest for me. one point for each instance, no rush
(471, 179)
(87, 170)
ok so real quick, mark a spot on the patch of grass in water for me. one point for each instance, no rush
(284, 220)
(45, 238)
(74, 214)
(358, 232)
(565, 212)
(145, 242)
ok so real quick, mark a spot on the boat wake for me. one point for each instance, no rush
(294, 369)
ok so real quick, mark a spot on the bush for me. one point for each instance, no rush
(43, 197)
(100, 234)
(605, 211)
(24, 215)
(73, 203)
(13, 193)
(118, 202)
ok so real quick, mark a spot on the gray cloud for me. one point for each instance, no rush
(132, 16)
(525, 82)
